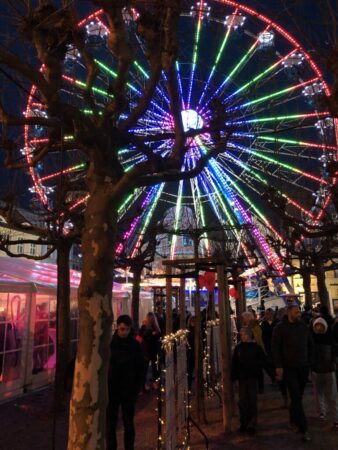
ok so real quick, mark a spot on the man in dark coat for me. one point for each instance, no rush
(292, 349)
(124, 382)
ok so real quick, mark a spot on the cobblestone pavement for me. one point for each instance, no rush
(27, 424)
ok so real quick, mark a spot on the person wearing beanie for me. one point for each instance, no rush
(323, 372)
(124, 382)
(247, 362)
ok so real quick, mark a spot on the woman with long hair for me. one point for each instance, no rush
(150, 333)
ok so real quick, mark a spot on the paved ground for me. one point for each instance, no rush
(27, 424)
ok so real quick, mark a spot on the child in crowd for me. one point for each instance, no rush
(323, 371)
(247, 362)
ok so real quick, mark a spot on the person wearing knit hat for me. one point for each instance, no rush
(323, 372)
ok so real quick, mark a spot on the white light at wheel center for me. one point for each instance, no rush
(191, 120)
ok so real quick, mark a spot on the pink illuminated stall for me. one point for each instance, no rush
(28, 322)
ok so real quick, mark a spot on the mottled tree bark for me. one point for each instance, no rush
(89, 398)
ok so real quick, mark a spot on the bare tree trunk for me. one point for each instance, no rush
(87, 430)
(225, 353)
(135, 296)
(306, 275)
(62, 324)
(322, 289)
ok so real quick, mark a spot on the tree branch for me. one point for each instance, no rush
(28, 71)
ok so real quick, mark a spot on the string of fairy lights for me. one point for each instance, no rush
(268, 86)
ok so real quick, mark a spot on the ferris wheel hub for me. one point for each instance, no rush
(191, 120)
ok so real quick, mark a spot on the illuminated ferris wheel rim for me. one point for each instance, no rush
(239, 8)
(189, 115)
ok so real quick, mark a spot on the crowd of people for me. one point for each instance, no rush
(292, 347)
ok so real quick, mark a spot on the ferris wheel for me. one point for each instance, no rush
(232, 61)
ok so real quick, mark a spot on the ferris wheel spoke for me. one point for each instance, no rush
(199, 209)
(178, 211)
(260, 76)
(251, 204)
(239, 66)
(76, 168)
(82, 86)
(133, 88)
(262, 181)
(269, 159)
(273, 95)
(289, 117)
(128, 201)
(158, 89)
(219, 55)
(245, 218)
(150, 194)
(180, 86)
(148, 215)
(195, 49)
(293, 142)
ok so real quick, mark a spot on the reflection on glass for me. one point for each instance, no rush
(12, 320)
(44, 334)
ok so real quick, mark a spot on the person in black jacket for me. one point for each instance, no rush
(292, 348)
(323, 371)
(247, 362)
(124, 382)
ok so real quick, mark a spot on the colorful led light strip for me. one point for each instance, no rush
(236, 69)
(64, 172)
(294, 142)
(180, 84)
(219, 55)
(178, 211)
(256, 175)
(294, 169)
(135, 221)
(146, 75)
(277, 118)
(148, 216)
(195, 51)
(37, 185)
(273, 95)
(259, 76)
(243, 215)
(132, 87)
(83, 86)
